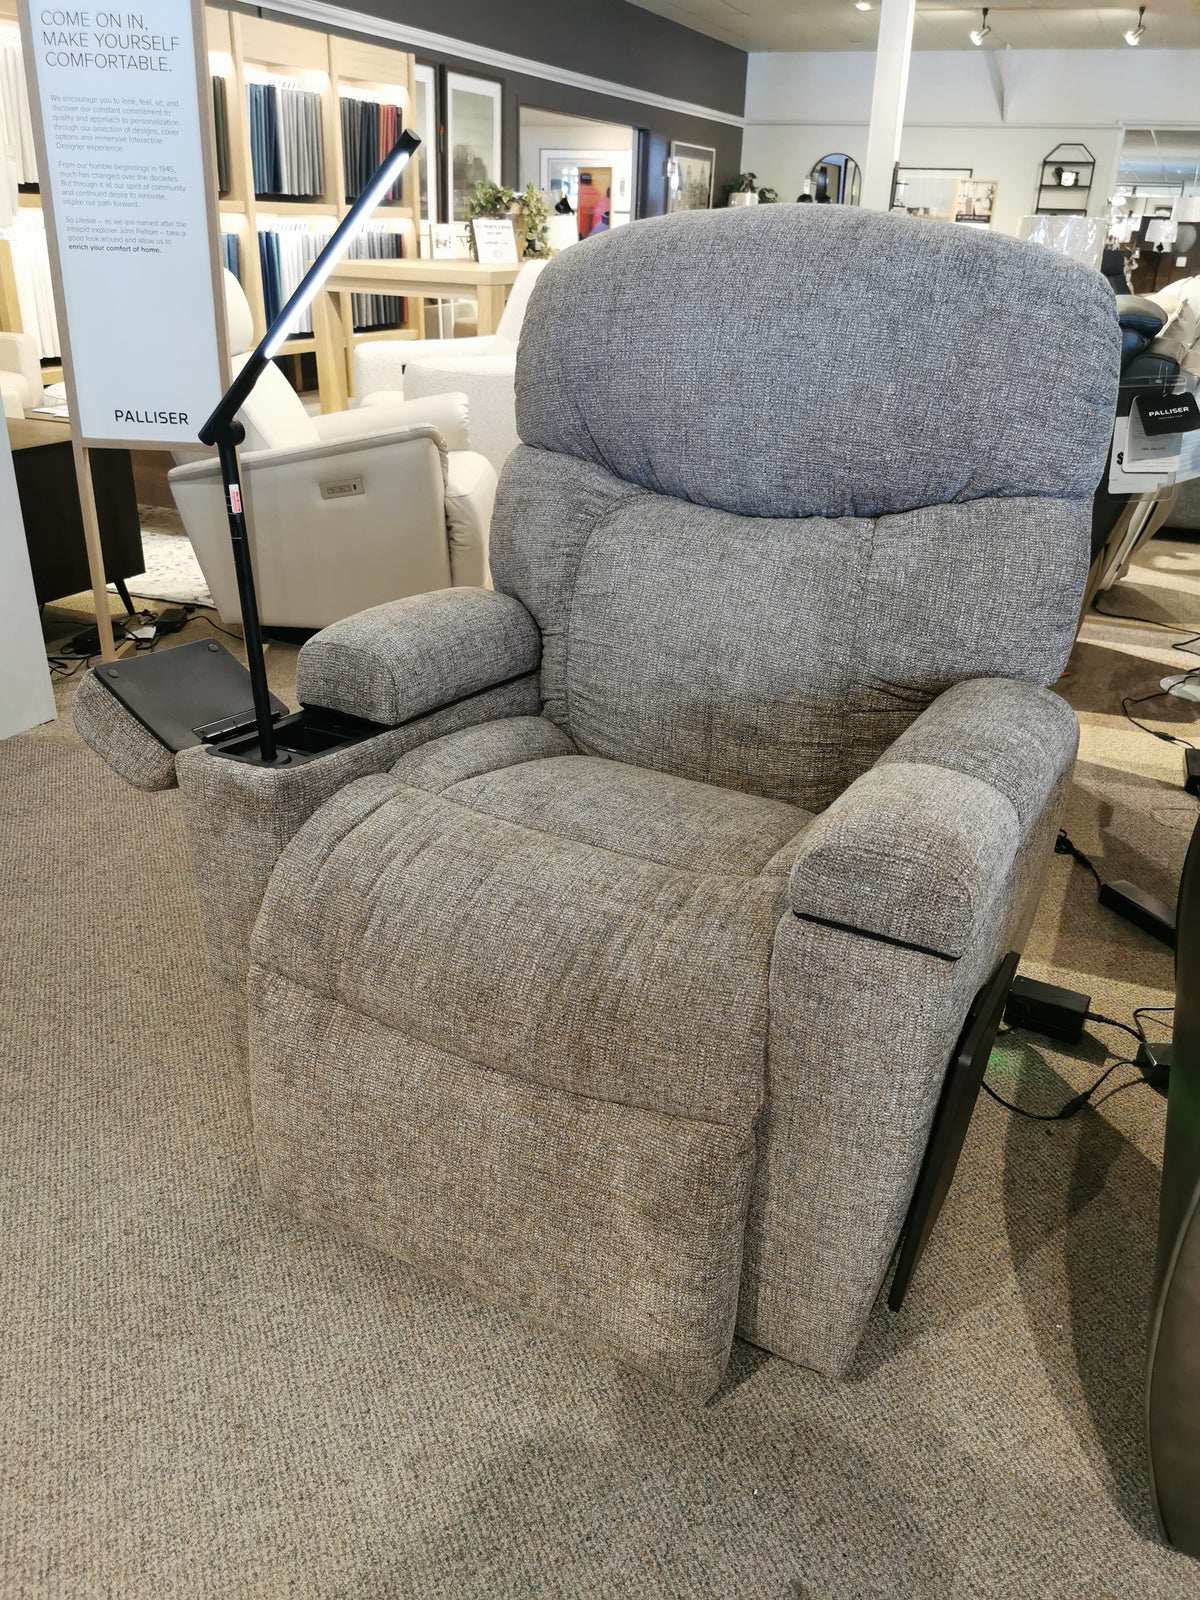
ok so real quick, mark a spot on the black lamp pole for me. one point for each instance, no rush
(225, 431)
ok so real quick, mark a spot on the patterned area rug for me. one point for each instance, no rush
(172, 571)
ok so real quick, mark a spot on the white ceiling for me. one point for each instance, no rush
(940, 24)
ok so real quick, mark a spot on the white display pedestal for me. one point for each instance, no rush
(26, 693)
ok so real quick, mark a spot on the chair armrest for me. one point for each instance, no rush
(470, 495)
(917, 849)
(400, 660)
(387, 411)
(252, 461)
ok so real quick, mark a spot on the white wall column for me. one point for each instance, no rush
(892, 53)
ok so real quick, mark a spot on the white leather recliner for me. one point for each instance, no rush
(344, 511)
(484, 369)
(20, 374)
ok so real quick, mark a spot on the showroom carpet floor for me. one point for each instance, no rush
(202, 1398)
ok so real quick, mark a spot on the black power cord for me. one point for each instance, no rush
(1073, 1106)
(1180, 644)
(1076, 1104)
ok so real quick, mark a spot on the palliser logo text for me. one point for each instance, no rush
(174, 418)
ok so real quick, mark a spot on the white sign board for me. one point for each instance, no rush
(118, 93)
(495, 241)
(26, 694)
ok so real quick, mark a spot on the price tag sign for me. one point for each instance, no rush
(495, 241)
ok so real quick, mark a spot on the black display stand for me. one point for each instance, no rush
(211, 698)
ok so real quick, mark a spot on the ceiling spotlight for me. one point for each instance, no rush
(978, 35)
(1133, 35)
(862, 5)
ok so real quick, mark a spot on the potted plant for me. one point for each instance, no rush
(486, 199)
(534, 212)
(742, 191)
(527, 212)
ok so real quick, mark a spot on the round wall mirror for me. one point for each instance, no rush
(836, 180)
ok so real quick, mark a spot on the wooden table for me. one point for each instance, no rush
(488, 286)
(49, 495)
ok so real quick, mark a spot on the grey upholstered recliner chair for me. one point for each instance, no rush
(624, 984)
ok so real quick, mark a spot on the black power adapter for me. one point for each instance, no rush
(1047, 1008)
(1191, 781)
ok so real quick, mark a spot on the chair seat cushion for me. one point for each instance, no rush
(528, 937)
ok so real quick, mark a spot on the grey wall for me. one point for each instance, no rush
(604, 38)
(607, 39)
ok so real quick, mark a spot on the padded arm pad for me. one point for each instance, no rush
(448, 412)
(400, 660)
(915, 849)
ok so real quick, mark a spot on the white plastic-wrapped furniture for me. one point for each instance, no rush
(20, 374)
(345, 511)
(484, 369)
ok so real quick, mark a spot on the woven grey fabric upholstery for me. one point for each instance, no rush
(536, 1007)
(399, 660)
(821, 361)
(114, 733)
(240, 817)
(857, 624)
(508, 933)
(915, 848)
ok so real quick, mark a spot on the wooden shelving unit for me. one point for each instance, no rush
(325, 64)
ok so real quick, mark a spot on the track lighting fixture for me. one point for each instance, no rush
(1134, 35)
(978, 35)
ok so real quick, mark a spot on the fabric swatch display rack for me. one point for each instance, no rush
(286, 150)
(369, 130)
(279, 110)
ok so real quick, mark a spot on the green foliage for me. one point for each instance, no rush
(744, 183)
(767, 197)
(489, 200)
(534, 212)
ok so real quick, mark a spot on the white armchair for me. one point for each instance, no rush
(484, 369)
(20, 374)
(344, 511)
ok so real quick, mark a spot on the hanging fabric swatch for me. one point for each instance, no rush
(286, 149)
(368, 311)
(231, 253)
(221, 133)
(268, 260)
(369, 132)
(287, 248)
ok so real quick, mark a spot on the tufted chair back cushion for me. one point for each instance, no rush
(789, 472)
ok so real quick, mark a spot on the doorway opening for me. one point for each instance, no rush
(584, 168)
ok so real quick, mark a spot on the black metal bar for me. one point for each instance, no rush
(230, 434)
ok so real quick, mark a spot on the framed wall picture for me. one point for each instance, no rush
(472, 137)
(974, 202)
(693, 177)
(928, 191)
